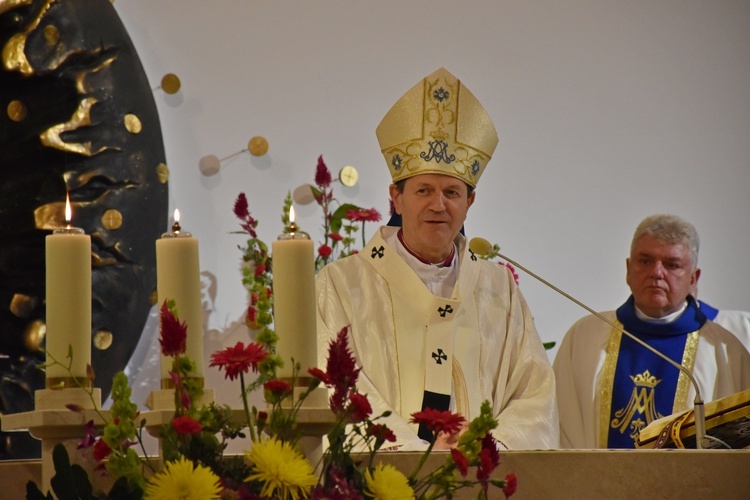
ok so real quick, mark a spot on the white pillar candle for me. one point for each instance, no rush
(68, 300)
(178, 279)
(293, 269)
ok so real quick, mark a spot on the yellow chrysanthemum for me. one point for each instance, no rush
(180, 480)
(387, 483)
(282, 470)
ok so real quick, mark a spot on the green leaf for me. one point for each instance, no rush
(339, 215)
(34, 493)
(70, 482)
(123, 490)
(549, 345)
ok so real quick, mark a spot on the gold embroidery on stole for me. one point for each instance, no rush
(608, 379)
(683, 382)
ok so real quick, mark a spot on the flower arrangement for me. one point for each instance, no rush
(273, 466)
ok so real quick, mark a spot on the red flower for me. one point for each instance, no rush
(320, 375)
(322, 174)
(260, 269)
(438, 421)
(363, 215)
(335, 236)
(359, 406)
(489, 458)
(239, 359)
(173, 333)
(324, 251)
(186, 425)
(277, 387)
(511, 483)
(512, 271)
(101, 450)
(240, 206)
(462, 464)
(380, 431)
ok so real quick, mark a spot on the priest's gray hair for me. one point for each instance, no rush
(669, 229)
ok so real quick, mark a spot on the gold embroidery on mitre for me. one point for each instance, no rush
(642, 402)
(437, 127)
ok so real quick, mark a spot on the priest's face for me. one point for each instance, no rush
(660, 275)
(433, 208)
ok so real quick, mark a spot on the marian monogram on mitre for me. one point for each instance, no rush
(641, 409)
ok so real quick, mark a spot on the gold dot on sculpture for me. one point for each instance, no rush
(154, 297)
(258, 146)
(16, 111)
(348, 176)
(170, 83)
(33, 335)
(133, 124)
(21, 305)
(103, 339)
(51, 35)
(162, 172)
(112, 219)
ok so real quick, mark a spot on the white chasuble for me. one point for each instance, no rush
(481, 342)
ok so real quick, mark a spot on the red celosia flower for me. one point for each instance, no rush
(239, 359)
(382, 432)
(241, 211)
(363, 215)
(438, 421)
(240, 206)
(322, 174)
(173, 338)
(335, 236)
(339, 487)
(462, 463)
(359, 406)
(186, 425)
(341, 370)
(278, 387)
(489, 458)
(101, 450)
(511, 483)
(324, 251)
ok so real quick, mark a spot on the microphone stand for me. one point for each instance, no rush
(701, 439)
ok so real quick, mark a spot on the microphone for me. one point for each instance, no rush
(481, 246)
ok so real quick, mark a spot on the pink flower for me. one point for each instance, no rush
(101, 450)
(438, 421)
(239, 359)
(462, 464)
(512, 270)
(173, 333)
(324, 251)
(363, 215)
(360, 407)
(322, 174)
(380, 431)
(278, 388)
(186, 425)
(511, 483)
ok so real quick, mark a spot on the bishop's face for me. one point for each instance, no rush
(433, 208)
(660, 275)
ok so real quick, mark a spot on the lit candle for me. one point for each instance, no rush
(68, 301)
(293, 266)
(178, 279)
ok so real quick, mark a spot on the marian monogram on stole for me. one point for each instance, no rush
(641, 409)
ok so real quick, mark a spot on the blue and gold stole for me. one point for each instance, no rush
(638, 386)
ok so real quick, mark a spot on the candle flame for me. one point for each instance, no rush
(177, 215)
(68, 210)
(291, 214)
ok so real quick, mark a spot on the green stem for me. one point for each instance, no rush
(422, 460)
(250, 423)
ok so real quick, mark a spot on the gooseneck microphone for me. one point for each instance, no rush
(481, 246)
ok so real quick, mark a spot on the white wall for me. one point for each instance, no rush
(607, 112)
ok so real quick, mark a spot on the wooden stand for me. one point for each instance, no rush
(53, 423)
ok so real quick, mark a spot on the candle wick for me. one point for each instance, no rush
(176, 227)
(292, 228)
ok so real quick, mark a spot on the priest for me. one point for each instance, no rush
(608, 386)
(432, 325)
